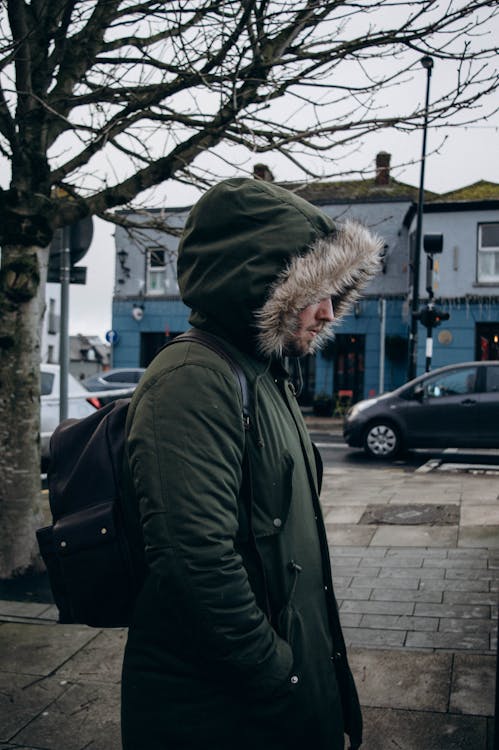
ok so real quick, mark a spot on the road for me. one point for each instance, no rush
(335, 451)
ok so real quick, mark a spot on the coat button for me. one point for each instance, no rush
(277, 523)
(294, 679)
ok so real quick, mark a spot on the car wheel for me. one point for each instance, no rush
(382, 440)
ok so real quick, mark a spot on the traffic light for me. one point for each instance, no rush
(431, 317)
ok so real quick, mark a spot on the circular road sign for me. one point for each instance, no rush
(112, 336)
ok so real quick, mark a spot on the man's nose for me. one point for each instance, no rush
(325, 310)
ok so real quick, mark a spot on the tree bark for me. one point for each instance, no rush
(22, 284)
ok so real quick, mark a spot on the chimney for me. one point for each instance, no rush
(262, 172)
(382, 168)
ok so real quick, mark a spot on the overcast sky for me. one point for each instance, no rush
(467, 155)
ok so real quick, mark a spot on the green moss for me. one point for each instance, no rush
(479, 191)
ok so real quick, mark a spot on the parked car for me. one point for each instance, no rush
(456, 406)
(79, 402)
(117, 378)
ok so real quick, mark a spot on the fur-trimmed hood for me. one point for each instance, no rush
(253, 255)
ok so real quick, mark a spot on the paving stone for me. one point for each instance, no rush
(484, 574)
(403, 561)
(24, 609)
(99, 660)
(366, 581)
(405, 595)
(422, 573)
(423, 552)
(467, 553)
(451, 610)
(473, 684)
(21, 698)
(342, 560)
(346, 571)
(400, 622)
(353, 551)
(350, 620)
(353, 593)
(350, 534)
(344, 514)
(479, 515)
(378, 608)
(479, 536)
(371, 638)
(470, 597)
(341, 580)
(448, 584)
(469, 625)
(84, 716)
(467, 563)
(415, 536)
(401, 678)
(404, 730)
(448, 640)
(40, 649)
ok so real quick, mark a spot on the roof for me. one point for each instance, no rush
(478, 191)
(359, 191)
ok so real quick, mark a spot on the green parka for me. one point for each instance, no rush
(235, 641)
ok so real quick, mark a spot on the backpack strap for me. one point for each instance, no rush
(212, 342)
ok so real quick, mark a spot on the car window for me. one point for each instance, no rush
(453, 383)
(47, 383)
(116, 377)
(492, 379)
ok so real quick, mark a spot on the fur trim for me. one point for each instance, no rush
(337, 266)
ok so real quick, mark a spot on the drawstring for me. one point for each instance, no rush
(299, 377)
(295, 569)
(293, 366)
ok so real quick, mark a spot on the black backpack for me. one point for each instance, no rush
(94, 551)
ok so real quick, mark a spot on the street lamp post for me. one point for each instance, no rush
(427, 63)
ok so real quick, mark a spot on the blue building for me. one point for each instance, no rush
(369, 352)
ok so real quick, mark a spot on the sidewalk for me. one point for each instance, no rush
(415, 560)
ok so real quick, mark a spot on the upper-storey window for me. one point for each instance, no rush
(488, 253)
(161, 272)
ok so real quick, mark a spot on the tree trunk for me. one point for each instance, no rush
(22, 304)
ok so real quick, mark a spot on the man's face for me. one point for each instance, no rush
(310, 322)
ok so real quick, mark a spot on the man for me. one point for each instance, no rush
(235, 642)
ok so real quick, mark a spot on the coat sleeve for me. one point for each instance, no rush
(185, 449)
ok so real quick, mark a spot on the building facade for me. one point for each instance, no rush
(369, 352)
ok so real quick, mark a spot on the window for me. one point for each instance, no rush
(161, 272)
(488, 253)
(53, 319)
(492, 385)
(47, 383)
(453, 383)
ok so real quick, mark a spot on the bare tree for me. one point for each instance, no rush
(101, 100)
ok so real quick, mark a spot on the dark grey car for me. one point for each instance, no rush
(453, 407)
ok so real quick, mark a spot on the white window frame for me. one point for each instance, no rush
(484, 277)
(166, 283)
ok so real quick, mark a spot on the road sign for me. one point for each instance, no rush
(112, 337)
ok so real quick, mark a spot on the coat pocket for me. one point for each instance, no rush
(272, 492)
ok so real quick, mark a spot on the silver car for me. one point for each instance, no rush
(79, 402)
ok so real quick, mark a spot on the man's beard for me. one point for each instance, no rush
(294, 347)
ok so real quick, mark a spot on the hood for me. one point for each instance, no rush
(253, 255)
